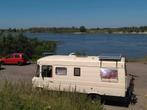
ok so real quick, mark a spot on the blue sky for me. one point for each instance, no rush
(67, 13)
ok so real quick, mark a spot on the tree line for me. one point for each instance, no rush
(18, 42)
(47, 29)
(81, 29)
(125, 29)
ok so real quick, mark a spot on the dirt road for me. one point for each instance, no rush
(25, 74)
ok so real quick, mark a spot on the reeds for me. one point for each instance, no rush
(24, 97)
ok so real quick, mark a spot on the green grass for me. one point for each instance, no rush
(24, 97)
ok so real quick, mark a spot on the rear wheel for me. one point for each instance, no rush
(1, 63)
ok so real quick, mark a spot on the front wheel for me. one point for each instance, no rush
(20, 63)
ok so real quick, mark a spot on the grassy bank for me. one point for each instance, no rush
(24, 97)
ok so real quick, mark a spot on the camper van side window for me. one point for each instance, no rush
(108, 74)
(46, 71)
(61, 71)
(77, 71)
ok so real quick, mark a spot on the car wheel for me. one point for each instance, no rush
(1, 63)
(20, 63)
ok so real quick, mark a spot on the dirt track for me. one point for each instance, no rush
(25, 74)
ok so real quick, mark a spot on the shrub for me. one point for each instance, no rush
(18, 42)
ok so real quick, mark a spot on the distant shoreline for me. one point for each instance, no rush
(109, 33)
(80, 30)
(80, 33)
(129, 33)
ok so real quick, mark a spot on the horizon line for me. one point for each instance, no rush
(87, 27)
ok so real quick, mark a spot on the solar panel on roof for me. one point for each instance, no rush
(110, 57)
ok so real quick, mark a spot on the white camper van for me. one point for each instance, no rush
(102, 75)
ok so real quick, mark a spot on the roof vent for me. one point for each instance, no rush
(72, 54)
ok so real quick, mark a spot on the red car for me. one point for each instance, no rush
(15, 58)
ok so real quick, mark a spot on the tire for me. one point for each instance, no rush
(94, 97)
(1, 63)
(20, 63)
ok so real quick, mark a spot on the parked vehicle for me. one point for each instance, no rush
(102, 75)
(15, 58)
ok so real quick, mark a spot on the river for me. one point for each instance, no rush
(129, 45)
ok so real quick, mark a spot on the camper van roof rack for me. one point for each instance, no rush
(110, 57)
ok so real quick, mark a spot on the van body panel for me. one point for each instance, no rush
(88, 77)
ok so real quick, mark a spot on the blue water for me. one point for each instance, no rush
(129, 45)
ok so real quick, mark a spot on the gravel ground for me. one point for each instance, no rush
(17, 74)
(25, 73)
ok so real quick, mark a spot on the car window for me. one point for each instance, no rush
(17, 56)
(9, 56)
